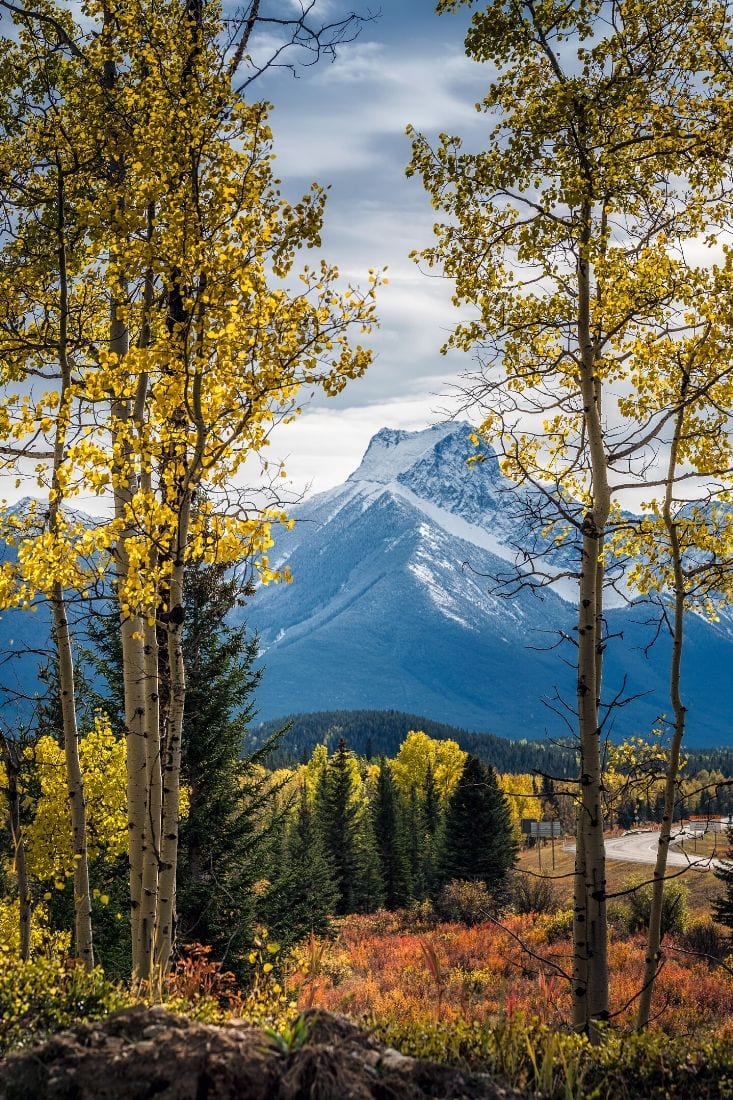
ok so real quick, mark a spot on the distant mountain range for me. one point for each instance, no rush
(392, 607)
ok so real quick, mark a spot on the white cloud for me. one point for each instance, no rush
(324, 445)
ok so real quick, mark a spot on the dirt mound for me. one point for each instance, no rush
(149, 1054)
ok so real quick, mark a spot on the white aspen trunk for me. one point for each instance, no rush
(75, 784)
(580, 907)
(124, 482)
(653, 954)
(172, 761)
(590, 1000)
(133, 656)
(151, 853)
(83, 941)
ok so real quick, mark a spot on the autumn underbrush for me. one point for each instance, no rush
(495, 997)
(491, 997)
(53, 991)
(48, 994)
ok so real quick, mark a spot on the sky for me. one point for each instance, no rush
(342, 123)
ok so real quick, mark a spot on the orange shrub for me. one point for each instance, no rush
(492, 970)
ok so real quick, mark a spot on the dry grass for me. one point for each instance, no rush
(709, 844)
(702, 885)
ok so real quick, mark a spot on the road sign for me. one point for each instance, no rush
(542, 829)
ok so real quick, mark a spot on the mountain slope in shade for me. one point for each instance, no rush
(391, 608)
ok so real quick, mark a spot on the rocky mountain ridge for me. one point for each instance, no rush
(394, 606)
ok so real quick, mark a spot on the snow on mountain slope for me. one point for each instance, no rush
(393, 606)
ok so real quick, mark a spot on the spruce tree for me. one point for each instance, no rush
(390, 835)
(416, 845)
(368, 887)
(347, 835)
(303, 893)
(432, 812)
(479, 842)
(222, 840)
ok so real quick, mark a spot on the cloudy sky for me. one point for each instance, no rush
(342, 123)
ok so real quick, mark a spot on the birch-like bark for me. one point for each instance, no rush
(150, 855)
(653, 954)
(590, 972)
(125, 484)
(133, 648)
(74, 780)
(172, 761)
(151, 837)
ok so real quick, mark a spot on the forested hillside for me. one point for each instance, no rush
(374, 733)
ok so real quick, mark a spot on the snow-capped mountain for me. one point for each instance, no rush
(393, 607)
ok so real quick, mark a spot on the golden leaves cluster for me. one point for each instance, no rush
(157, 183)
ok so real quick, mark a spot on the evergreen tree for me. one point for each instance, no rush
(432, 811)
(479, 842)
(390, 835)
(347, 835)
(223, 838)
(303, 894)
(433, 838)
(368, 887)
(416, 846)
(722, 906)
(424, 821)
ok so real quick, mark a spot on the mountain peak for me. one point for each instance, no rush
(392, 451)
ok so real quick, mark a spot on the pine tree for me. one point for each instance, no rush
(347, 835)
(416, 846)
(479, 842)
(222, 839)
(368, 887)
(390, 835)
(303, 894)
(424, 832)
(432, 812)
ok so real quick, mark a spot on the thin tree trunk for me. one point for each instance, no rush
(150, 855)
(172, 762)
(590, 976)
(134, 668)
(653, 955)
(125, 484)
(75, 785)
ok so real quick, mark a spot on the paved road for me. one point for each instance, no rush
(642, 848)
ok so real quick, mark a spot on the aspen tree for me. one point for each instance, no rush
(43, 296)
(682, 546)
(567, 239)
(209, 335)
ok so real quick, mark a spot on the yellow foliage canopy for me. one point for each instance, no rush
(419, 753)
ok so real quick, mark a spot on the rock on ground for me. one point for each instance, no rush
(149, 1054)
